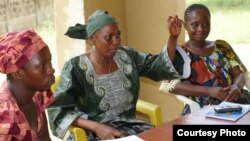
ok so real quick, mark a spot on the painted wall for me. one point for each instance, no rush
(148, 32)
(17, 15)
(67, 13)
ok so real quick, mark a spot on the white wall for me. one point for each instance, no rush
(67, 13)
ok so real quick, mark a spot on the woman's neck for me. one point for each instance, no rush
(195, 44)
(101, 60)
(101, 64)
(203, 48)
(22, 96)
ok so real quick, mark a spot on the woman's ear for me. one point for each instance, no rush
(18, 74)
(92, 40)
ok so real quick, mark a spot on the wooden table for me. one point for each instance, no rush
(165, 132)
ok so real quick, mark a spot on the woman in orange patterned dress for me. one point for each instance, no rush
(24, 95)
(217, 74)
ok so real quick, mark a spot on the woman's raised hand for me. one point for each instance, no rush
(174, 25)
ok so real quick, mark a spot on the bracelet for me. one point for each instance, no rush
(167, 86)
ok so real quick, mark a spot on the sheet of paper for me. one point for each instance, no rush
(128, 138)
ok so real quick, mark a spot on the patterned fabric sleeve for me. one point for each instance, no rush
(63, 110)
(230, 54)
(4, 115)
(159, 67)
(5, 137)
(181, 56)
(9, 127)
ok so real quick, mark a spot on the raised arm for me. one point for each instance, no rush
(174, 26)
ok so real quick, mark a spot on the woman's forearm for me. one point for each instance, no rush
(238, 78)
(85, 124)
(190, 90)
(171, 46)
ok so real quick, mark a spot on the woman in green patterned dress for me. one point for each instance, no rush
(102, 85)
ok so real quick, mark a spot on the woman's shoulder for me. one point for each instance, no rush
(6, 97)
(221, 41)
(126, 49)
(222, 45)
(78, 57)
(77, 64)
(8, 109)
(5, 101)
(11, 119)
(75, 60)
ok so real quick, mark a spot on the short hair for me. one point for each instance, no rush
(193, 7)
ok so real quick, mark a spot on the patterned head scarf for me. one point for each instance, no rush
(17, 48)
(95, 22)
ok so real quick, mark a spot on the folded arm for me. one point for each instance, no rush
(239, 82)
(187, 89)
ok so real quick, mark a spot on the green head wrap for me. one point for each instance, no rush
(95, 22)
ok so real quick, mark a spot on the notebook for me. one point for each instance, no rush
(232, 116)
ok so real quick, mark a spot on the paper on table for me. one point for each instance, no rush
(128, 138)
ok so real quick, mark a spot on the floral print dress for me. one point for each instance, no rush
(213, 70)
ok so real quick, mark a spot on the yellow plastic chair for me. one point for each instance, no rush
(78, 133)
(153, 111)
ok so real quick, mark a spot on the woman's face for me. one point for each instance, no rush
(107, 40)
(197, 25)
(38, 73)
